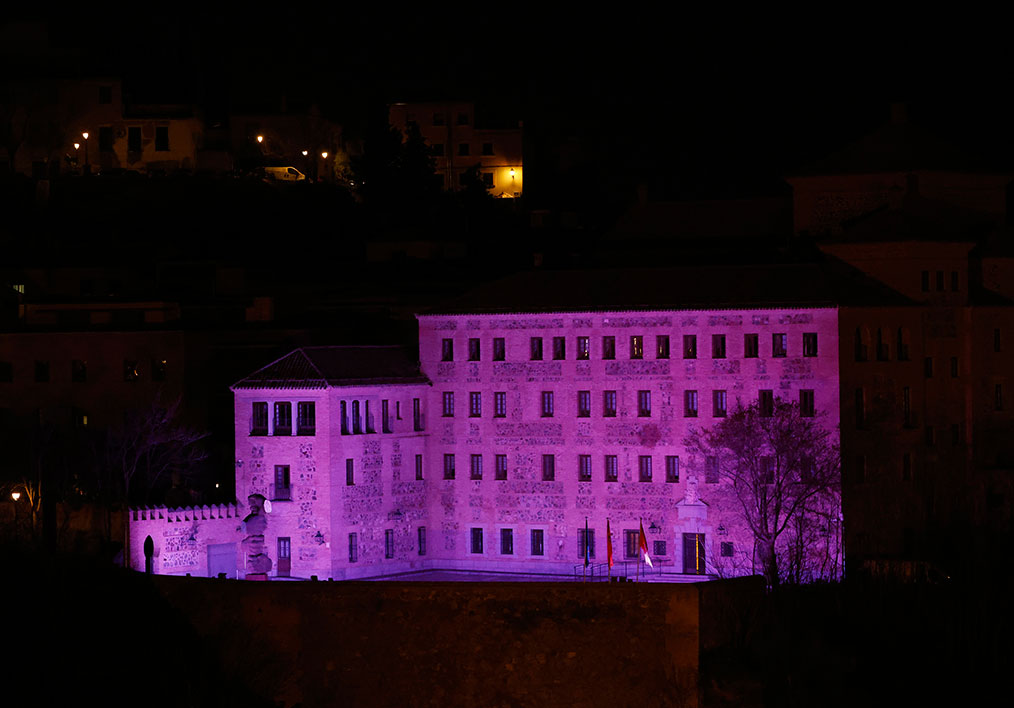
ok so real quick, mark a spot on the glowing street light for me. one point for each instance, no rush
(15, 495)
(324, 154)
(87, 167)
(260, 138)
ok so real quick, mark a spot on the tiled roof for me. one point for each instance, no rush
(320, 367)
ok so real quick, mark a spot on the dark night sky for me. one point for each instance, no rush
(671, 95)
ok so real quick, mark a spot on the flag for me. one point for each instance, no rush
(609, 544)
(586, 544)
(643, 546)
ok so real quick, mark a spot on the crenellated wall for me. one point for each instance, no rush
(181, 537)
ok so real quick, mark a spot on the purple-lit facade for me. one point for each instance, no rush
(514, 432)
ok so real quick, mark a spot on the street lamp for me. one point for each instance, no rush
(260, 138)
(15, 496)
(87, 167)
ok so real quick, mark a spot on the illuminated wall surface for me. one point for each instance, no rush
(499, 448)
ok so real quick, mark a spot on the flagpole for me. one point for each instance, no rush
(640, 522)
(609, 553)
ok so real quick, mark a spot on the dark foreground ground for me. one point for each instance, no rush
(78, 634)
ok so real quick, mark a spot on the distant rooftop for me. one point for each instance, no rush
(320, 367)
(721, 287)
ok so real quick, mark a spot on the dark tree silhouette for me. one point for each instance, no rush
(782, 467)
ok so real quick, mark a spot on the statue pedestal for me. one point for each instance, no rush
(257, 576)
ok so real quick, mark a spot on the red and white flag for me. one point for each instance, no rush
(643, 546)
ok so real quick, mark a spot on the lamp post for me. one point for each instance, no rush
(15, 496)
(87, 166)
(77, 146)
(324, 156)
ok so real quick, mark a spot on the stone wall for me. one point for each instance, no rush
(455, 644)
(180, 537)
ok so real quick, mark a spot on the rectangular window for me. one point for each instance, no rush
(499, 349)
(609, 347)
(463, 149)
(778, 345)
(860, 408)
(350, 472)
(447, 350)
(134, 139)
(559, 348)
(536, 348)
(690, 404)
(637, 346)
(766, 403)
(283, 418)
(583, 348)
(130, 370)
(306, 418)
(609, 404)
(259, 419)
(547, 404)
(751, 346)
(940, 281)
(344, 406)
(955, 434)
(644, 404)
(159, 369)
(162, 138)
(548, 468)
(883, 352)
(925, 281)
(996, 339)
(506, 542)
(353, 547)
(906, 406)
(475, 467)
(689, 346)
(658, 548)
(726, 549)
(474, 404)
(419, 467)
(538, 542)
(927, 367)
(954, 281)
(584, 404)
(388, 543)
(807, 407)
(954, 367)
(385, 416)
(438, 119)
(421, 540)
(998, 397)
(417, 421)
(474, 352)
(585, 543)
(662, 346)
(368, 418)
(500, 404)
(718, 346)
(631, 543)
(448, 465)
(584, 471)
(448, 404)
(767, 469)
(612, 469)
(672, 468)
(930, 436)
(906, 467)
(644, 468)
(487, 148)
(711, 469)
(282, 492)
(902, 344)
(501, 467)
(809, 344)
(719, 400)
(862, 352)
(476, 545)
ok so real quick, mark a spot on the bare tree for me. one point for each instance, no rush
(151, 443)
(783, 468)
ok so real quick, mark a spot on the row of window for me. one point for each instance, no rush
(584, 468)
(908, 417)
(350, 470)
(105, 138)
(388, 544)
(464, 149)
(79, 370)
(361, 419)
(939, 281)
(719, 404)
(751, 347)
(882, 347)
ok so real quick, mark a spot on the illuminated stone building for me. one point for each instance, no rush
(458, 144)
(517, 430)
